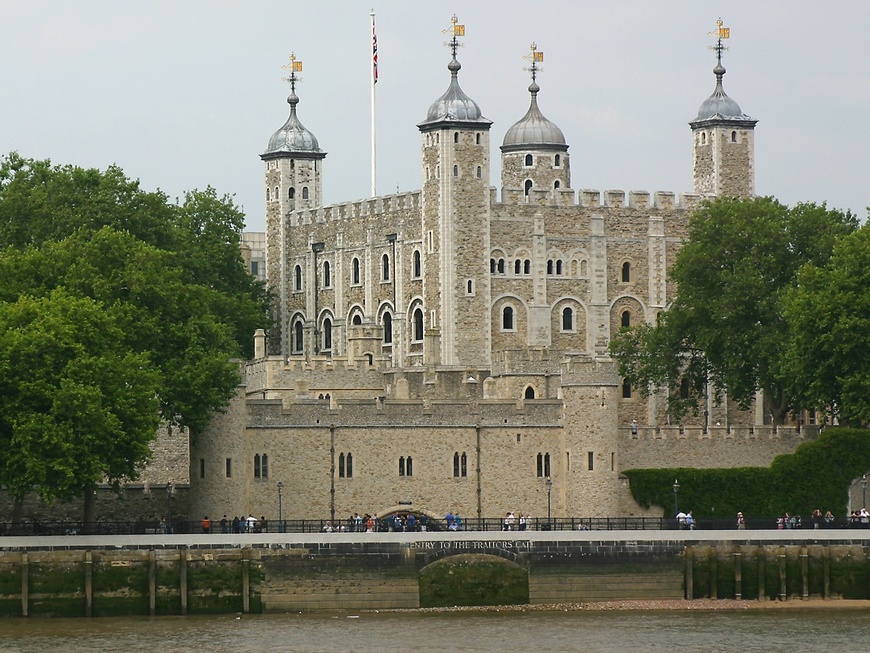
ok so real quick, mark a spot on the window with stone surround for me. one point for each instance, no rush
(417, 326)
(388, 328)
(626, 389)
(327, 275)
(406, 466)
(385, 268)
(543, 467)
(590, 461)
(297, 279)
(261, 467)
(527, 187)
(528, 161)
(625, 319)
(558, 160)
(326, 333)
(507, 319)
(626, 272)
(229, 467)
(568, 319)
(298, 340)
(355, 272)
(268, 195)
(417, 267)
(305, 192)
(529, 393)
(460, 465)
(345, 465)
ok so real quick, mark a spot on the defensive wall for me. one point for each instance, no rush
(163, 575)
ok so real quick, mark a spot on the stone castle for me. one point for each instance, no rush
(447, 349)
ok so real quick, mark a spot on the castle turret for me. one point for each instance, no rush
(534, 153)
(724, 140)
(293, 174)
(456, 218)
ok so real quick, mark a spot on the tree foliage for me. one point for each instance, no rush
(819, 474)
(828, 311)
(175, 306)
(725, 325)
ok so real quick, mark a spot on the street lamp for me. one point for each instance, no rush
(549, 492)
(676, 502)
(169, 501)
(864, 491)
(280, 507)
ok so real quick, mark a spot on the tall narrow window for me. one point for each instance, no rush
(626, 272)
(500, 266)
(341, 465)
(590, 460)
(265, 466)
(527, 187)
(297, 278)
(567, 319)
(556, 185)
(455, 137)
(305, 192)
(558, 160)
(229, 467)
(327, 275)
(385, 267)
(418, 325)
(409, 467)
(388, 328)
(547, 465)
(527, 267)
(297, 337)
(456, 464)
(479, 172)
(492, 266)
(455, 171)
(550, 267)
(202, 467)
(625, 318)
(354, 272)
(507, 318)
(528, 160)
(463, 463)
(257, 468)
(327, 334)
(626, 389)
(518, 265)
(291, 193)
(540, 468)
(268, 195)
(418, 264)
(559, 267)
(349, 465)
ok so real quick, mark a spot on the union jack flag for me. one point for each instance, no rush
(374, 53)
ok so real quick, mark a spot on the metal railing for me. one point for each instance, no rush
(388, 524)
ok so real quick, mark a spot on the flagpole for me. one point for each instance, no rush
(374, 81)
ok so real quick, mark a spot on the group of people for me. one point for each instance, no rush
(518, 522)
(249, 524)
(686, 521)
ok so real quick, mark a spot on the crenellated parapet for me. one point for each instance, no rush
(358, 209)
(589, 198)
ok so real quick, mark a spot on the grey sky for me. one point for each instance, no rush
(183, 94)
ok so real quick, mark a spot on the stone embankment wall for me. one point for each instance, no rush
(166, 575)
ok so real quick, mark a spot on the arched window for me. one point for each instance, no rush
(341, 465)
(518, 266)
(463, 463)
(567, 319)
(456, 464)
(556, 184)
(257, 467)
(455, 137)
(298, 340)
(356, 320)
(528, 160)
(479, 172)
(469, 287)
(507, 318)
(327, 335)
(492, 266)
(500, 266)
(354, 272)
(625, 318)
(349, 465)
(527, 188)
(291, 193)
(626, 272)
(477, 138)
(527, 266)
(388, 328)
(626, 389)
(276, 195)
(418, 264)
(558, 160)
(305, 192)
(297, 278)
(265, 466)
(703, 138)
(455, 171)
(268, 195)
(418, 325)
(550, 267)
(385, 267)
(559, 267)
(733, 137)
(327, 275)
(529, 393)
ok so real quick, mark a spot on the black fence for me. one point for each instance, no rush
(390, 524)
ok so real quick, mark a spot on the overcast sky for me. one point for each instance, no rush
(183, 94)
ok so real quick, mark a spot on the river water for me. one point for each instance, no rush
(793, 631)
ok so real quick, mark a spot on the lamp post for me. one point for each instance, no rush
(864, 491)
(169, 502)
(280, 507)
(549, 492)
(676, 501)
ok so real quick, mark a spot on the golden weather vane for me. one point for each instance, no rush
(720, 33)
(455, 30)
(293, 67)
(535, 56)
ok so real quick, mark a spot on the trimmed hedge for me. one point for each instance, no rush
(817, 475)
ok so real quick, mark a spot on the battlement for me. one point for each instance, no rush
(367, 208)
(615, 199)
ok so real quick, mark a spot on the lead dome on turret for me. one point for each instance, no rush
(454, 105)
(534, 130)
(293, 137)
(719, 106)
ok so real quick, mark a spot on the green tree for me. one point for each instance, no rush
(77, 405)
(828, 312)
(172, 290)
(725, 325)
